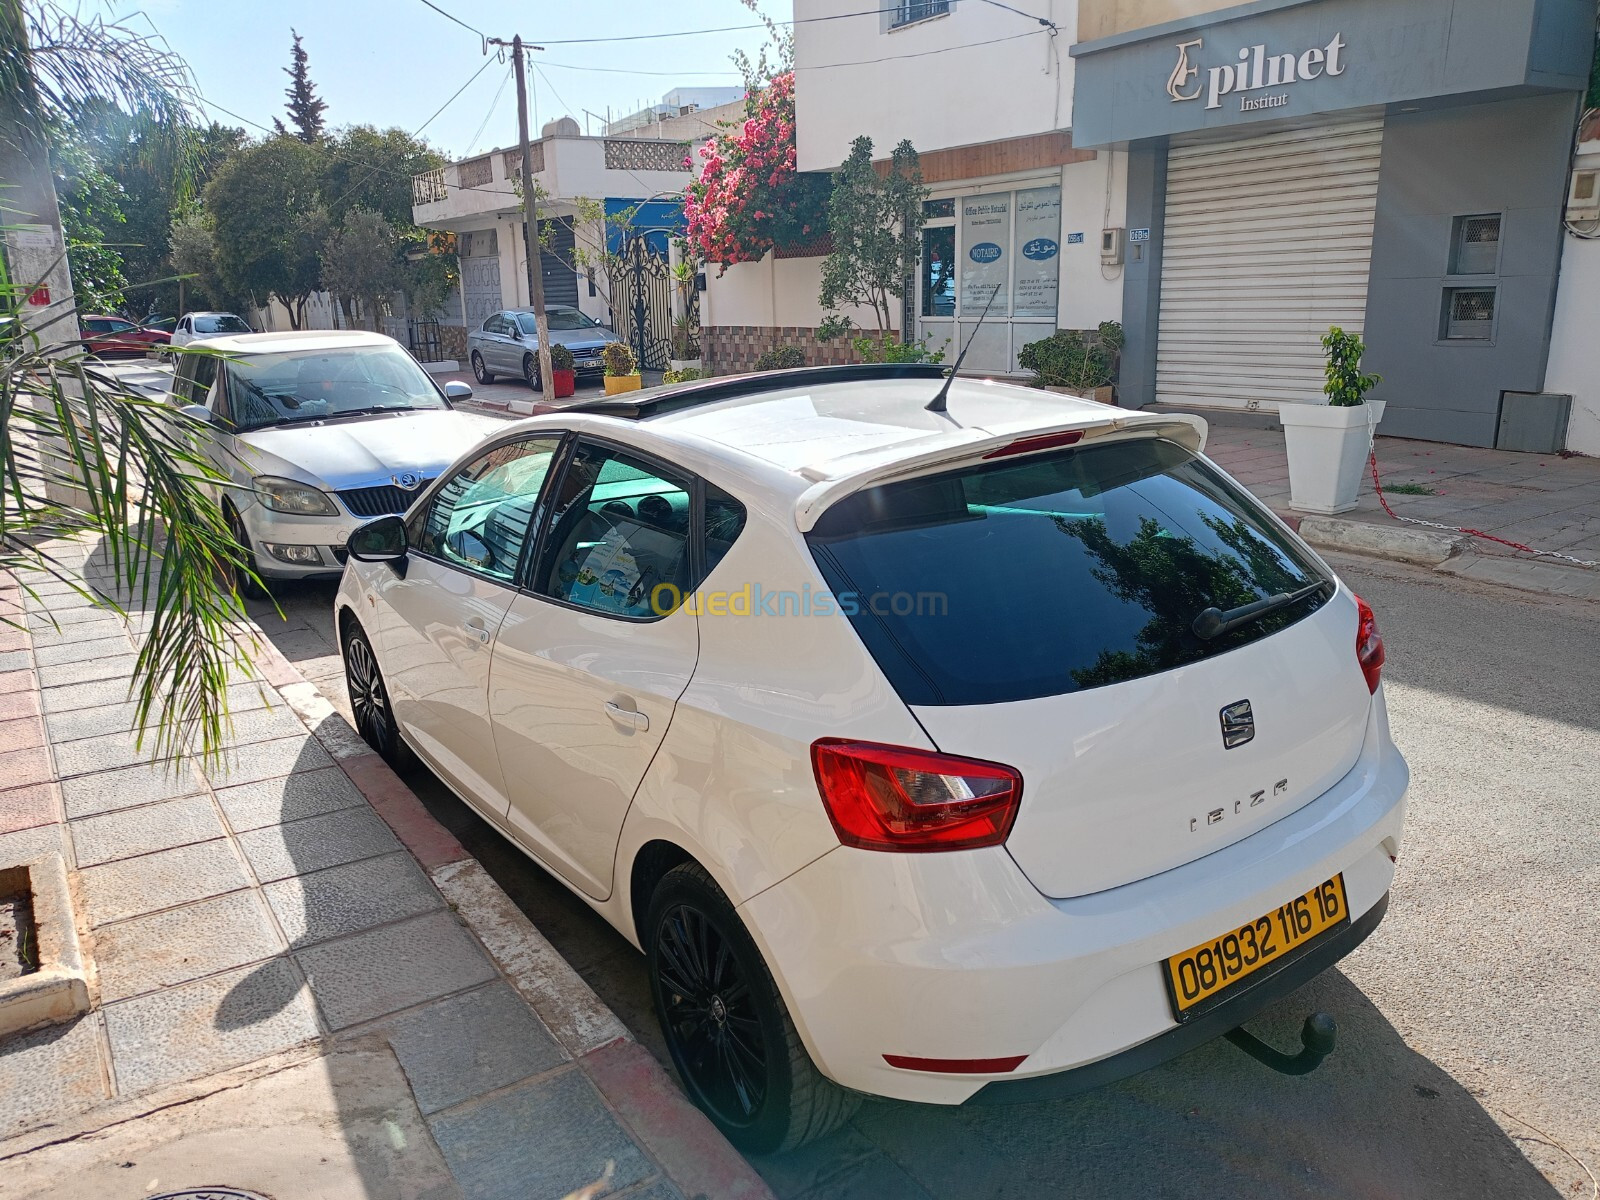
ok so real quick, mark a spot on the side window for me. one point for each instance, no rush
(493, 324)
(724, 522)
(479, 519)
(95, 325)
(205, 390)
(619, 530)
(182, 377)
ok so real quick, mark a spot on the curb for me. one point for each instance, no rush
(689, 1150)
(1446, 553)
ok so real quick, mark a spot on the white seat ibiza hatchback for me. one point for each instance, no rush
(971, 755)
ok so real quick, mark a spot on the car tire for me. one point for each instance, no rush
(478, 371)
(530, 372)
(369, 700)
(728, 1031)
(247, 584)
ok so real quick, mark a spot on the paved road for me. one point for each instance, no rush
(1467, 1021)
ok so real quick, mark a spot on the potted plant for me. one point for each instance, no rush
(1328, 444)
(1077, 365)
(622, 372)
(561, 372)
(685, 344)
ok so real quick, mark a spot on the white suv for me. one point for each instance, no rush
(955, 756)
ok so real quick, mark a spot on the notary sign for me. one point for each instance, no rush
(1259, 77)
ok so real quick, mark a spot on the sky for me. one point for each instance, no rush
(394, 62)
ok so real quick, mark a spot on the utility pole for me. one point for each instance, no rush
(530, 216)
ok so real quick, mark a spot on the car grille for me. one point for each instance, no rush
(380, 501)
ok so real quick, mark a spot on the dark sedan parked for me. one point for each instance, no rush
(508, 343)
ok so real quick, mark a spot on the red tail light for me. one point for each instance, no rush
(1369, 644)
(891, 798)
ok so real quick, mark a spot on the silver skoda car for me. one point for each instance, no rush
(319, 431)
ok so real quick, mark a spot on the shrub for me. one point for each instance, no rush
(618, 358)
(1066, 359)
(560, 357)
(781, 358)
(686, 375)
(685, 338)
(1346, 386)
(890, 349)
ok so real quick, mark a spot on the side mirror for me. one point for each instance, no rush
(199, 412)
(456, 390)
(383, 541)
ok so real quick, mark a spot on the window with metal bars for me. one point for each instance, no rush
(908, 11)
(1475, 245)
(1469, 313)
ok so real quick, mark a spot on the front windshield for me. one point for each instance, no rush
(297, 386)
(220, 325)
(560, 317)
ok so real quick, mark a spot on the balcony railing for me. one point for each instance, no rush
(428, 187)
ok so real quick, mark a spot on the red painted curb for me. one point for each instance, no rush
(691, 1151)
(430, 843)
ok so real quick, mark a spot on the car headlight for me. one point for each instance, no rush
(287, 496)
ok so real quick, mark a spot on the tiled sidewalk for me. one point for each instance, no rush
(264, 915)
(1542, 500)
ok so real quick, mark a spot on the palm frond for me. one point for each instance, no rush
(83, 454)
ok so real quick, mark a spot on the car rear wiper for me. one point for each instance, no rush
(1212, 623)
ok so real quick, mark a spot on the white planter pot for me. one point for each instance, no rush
(1327, 453)
(683, 364)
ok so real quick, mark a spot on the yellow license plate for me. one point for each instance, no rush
(1201, 974)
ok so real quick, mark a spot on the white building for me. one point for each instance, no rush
(1015, 210)
(1574, 350)
(582, 182)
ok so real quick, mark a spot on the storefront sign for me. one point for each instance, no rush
(986, 232)
(1039, 267)
(1245, 63)
(1256, 70)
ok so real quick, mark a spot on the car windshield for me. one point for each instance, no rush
(560, 317)
(313, 385)
(222, 324)
(1055, 573)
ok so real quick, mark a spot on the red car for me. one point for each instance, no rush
(112, 336)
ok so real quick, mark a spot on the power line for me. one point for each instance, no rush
(630, 71)
(867, 62)
(456, 19)
(488, 116)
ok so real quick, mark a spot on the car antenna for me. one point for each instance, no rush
(938, 403)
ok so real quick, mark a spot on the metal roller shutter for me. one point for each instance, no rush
(1268, 242)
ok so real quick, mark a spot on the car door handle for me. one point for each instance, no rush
(630, 718)
(478, 629)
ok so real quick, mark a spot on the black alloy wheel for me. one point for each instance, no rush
(730, 1036)
(530, 372)
(479, 372)
(369, 699)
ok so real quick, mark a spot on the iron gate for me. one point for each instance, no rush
(641, 302)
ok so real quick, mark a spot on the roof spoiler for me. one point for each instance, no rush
(836, 478)
(635, 406)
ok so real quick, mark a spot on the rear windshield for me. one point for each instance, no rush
(1055, 573)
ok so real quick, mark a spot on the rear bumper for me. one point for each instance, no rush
(1263, 989)
(958, 956)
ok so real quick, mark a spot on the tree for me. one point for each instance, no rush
(305, 109)
(192, 250)
(81, 454)
(265, 207)
(876, 221)
(372, 169)
(91, 204)
(360, 261)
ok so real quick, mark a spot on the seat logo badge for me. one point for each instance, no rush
(1238, 724)
(406, 480)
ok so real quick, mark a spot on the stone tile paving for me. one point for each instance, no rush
(262, 905)
(1542, 500)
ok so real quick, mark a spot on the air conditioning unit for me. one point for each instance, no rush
(1583, 198)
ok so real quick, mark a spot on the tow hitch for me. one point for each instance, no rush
(1317, 1037)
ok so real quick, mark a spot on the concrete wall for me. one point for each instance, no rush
(1141, 281)
(978, 74)
(1102, 18)
(1089, 293)
(1509, 157)
(772, 292)
(1575, 339)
